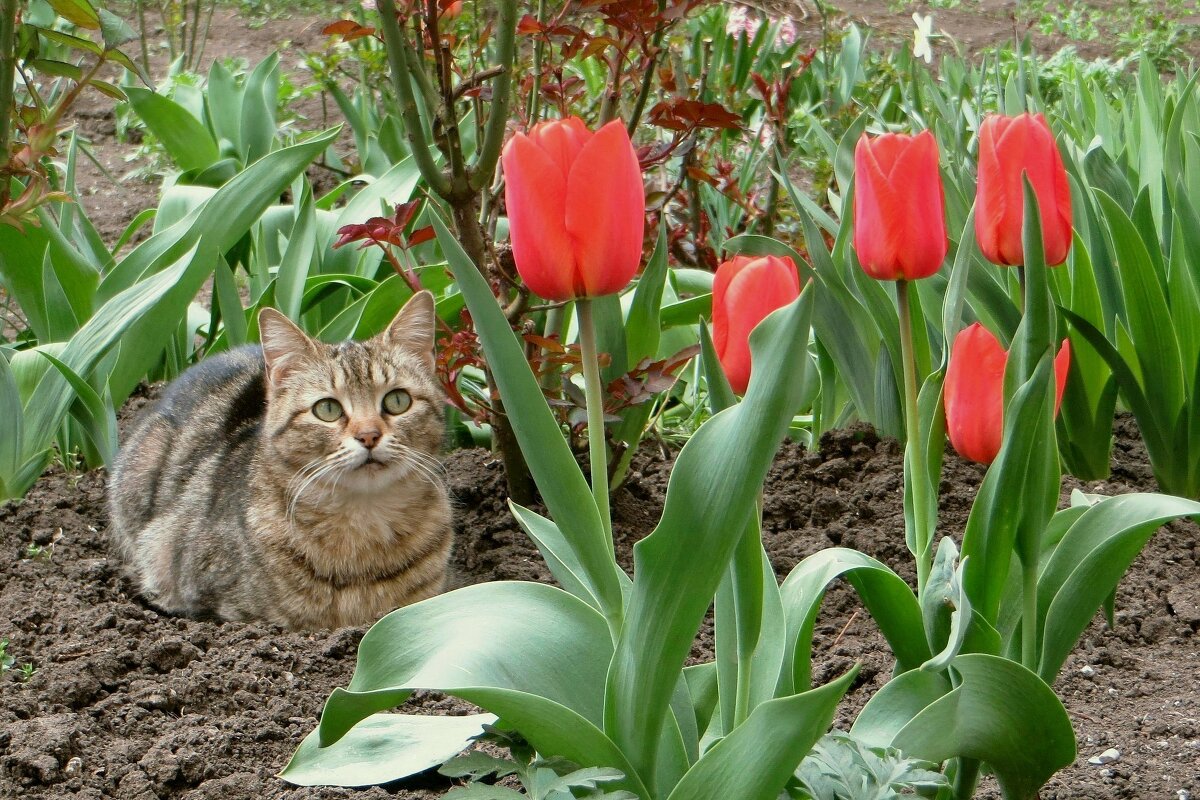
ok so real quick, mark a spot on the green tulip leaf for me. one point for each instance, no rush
(896, 704)
(559, 556)
(716, 478)
(550, 459)
(1087, 564)
(1018, 492)
(383, 748)
(184, 137)
(531, 654)
(887, 597)
(999, 713)
(755, 761)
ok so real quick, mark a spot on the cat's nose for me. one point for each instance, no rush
(368, 438)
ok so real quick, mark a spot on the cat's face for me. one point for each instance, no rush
(355, 416)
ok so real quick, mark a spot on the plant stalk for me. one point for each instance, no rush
(1029, 627)
(594, 397)
(914, 452)
(8, 65)
(965, 778)
(484, 169)
(639, 105)
(413, 131)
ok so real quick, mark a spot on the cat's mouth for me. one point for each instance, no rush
(372, 464)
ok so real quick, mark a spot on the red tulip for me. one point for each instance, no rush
(899, 211)
(745, 290)
(974, 392)
(576, 208)
(1008, 147)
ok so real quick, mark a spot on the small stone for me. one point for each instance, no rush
(74, 767)
(1087, 671)
(1109, 756)
(1183, 794)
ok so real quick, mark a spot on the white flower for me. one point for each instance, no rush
(922, 36)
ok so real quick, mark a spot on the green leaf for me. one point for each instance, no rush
(68, 40)
(477, 765)
(887, 597)
(60, 69)
(114, 30)
(755, 761)
(896, 703)
(11, 427)
(720, 393)
(999, 713)
(559, 556)
(476, 791)
(1088, 563)
(532, 654)
(643, 324)
(1018, 494)
(299, 258)
(550, 459)
(222, 219)
(155, 304)
(230, 305)
(382, 748)
(183, 136)
(95, 414)
(77, 12)
(259, 98)
(1153, 336)
(716, 478)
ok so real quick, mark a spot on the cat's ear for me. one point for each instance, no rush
(412, 329)
(284, 345)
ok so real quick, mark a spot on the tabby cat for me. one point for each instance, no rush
(297, 482)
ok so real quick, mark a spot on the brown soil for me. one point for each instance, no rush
(127, 703)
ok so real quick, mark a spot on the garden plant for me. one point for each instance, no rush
(656, 225)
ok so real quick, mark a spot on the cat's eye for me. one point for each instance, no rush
(397, 401)
(327, 410)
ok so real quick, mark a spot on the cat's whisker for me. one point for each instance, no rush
(327, 465)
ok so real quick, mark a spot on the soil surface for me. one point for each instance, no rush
(127, 703)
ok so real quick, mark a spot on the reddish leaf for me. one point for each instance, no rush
(421, 235)
(681, 114)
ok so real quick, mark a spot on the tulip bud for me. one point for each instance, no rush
(899, 210)
(746, 290)
(1008, 148)
(576, 208)
(974, 392)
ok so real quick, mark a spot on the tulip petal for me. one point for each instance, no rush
(605, 212)
(925, 211)
(899, 210)
(1008, 148)
(876, 207)
(745, 291)
(974, 394)
(1062, 364)
(534, 194)
(561, 140)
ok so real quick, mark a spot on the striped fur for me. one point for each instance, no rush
(231, 499)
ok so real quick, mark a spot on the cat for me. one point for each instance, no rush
(296, 482)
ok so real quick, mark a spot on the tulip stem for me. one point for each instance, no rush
(1029, 625)
(594, 398)
(914, 461)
